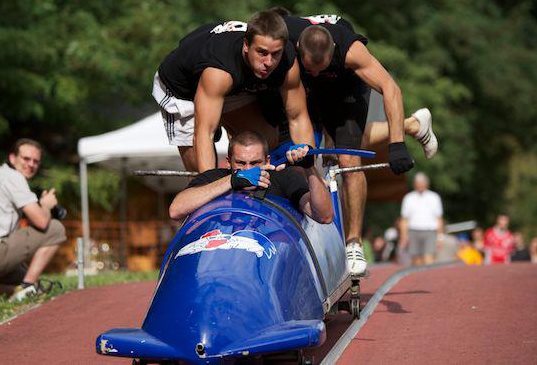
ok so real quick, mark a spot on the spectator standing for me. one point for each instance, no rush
(499, 242)
(379, 249)
(391, 237)
(478, 240)
(421, 221)
(533, 250)
(40, 240)
(521, 252)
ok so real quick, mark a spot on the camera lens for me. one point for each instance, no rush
(58, 212)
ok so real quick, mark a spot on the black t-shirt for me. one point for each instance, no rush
(287, 183)
(218, 45)
(336, 76)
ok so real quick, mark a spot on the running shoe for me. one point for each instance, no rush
(425, 135)
(41, 287)
(20, 293)
(356, 262)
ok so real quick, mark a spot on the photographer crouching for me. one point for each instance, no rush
(41, 239)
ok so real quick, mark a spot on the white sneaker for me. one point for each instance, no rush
(355, 258)
(426, 136)
(21, 293)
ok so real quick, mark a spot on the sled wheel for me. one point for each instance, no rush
(305, 360)
(355, 307)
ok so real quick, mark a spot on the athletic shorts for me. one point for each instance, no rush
(21, 245)
(421, 243)
(341, 111)
(178, 114)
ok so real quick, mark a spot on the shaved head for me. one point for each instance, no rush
(316, 43)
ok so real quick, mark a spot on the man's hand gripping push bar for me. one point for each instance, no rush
(399, 158)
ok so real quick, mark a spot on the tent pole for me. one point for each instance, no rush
(123, 215)
(85, 209)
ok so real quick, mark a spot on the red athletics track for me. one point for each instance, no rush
(456, 315)
(63, 331)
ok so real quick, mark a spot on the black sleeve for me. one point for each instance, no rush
(208, 177)
(344, 38)
(293, 184)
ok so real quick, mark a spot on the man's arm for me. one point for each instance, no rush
(190, 199)
(294, 100)
(317, 203)
(213, 86)
(39, 214)
(369, 69)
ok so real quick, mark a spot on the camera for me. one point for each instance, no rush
(58, 212)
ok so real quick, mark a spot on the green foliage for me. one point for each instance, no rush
(521, 197)
(103, 188)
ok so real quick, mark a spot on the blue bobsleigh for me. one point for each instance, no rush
(243, 277)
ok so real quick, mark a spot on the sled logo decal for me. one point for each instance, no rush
(249, 241)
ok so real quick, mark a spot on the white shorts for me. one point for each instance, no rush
(178, 114)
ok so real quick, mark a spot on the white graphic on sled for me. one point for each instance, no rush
(216, 240)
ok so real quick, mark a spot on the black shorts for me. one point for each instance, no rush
(341, 111)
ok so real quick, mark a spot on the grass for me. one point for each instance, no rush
(8, 310)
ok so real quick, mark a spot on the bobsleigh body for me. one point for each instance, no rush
(242, 277)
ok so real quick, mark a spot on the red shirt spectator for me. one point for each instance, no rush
(499, 242)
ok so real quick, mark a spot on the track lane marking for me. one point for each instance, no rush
(337, 350)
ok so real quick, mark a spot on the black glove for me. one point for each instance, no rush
(241, 179)
(308, 161)
(400, 160)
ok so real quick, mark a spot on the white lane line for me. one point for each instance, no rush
(344, 341)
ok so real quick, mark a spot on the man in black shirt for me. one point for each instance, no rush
(250, 169)
(222, 67)
(338, 73)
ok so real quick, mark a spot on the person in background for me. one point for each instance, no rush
(522, 252)
(422, 224)
(499, 242)
(533, 250)
(391, 237)
(381, 250)
(41, 239)
(477, 240)
(467, 253)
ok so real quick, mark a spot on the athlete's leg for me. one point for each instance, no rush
(419, 126)
(355, 194)
(346, 125)
(188, 156)
(378, 131)
(250, 118)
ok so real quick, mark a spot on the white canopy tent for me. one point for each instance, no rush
(140, 146)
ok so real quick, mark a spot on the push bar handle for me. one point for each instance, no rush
(332, 151)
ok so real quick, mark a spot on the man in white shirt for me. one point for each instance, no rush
(40, 240)
(421, 224)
